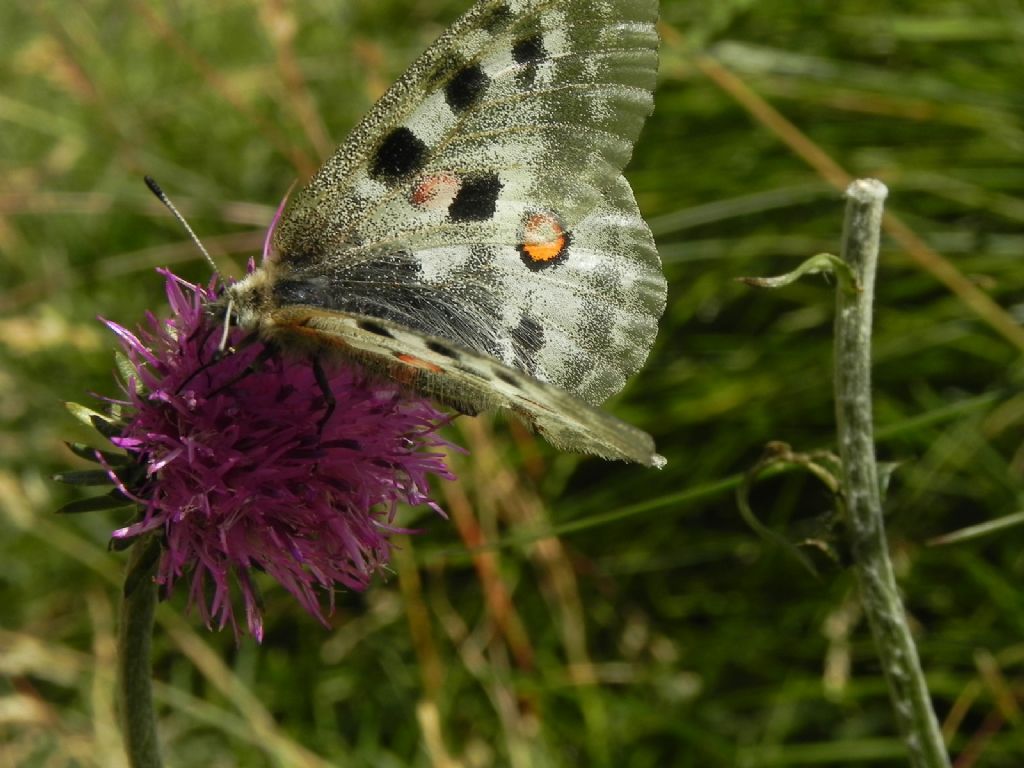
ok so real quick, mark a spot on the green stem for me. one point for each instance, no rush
(138, 719)
(862, 495)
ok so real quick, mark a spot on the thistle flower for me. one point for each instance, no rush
(235, 469)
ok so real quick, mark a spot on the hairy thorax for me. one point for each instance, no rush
(250, 301)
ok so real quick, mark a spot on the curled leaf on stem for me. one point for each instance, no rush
(777, 459)
(820, 264)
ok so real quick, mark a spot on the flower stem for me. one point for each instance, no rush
(138, 719)
(863, 505)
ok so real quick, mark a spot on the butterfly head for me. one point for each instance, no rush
(239, 305)
(246, 303)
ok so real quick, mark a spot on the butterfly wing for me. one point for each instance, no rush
(481, 203)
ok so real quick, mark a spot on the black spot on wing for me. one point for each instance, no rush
(375, 328)
(528, 52)
(502, 375)
(442, 349)
(528, 49)
(466, 88)
(527, 340)
(400, 154)
(476, 199)
(496, 19)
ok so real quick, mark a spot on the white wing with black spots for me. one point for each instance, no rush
(481, 203)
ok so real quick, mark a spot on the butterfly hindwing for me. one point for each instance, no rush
(452, 375)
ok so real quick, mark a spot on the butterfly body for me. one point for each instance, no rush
(474, 237)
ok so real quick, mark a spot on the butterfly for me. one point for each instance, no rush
(474, 237)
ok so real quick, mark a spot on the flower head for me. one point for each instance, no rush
(237, 467)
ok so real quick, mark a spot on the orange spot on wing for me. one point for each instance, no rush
(544, 251)
(321, 338)
(436, 190)
(544, 238)
(417, 362)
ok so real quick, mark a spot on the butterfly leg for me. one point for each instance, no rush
(265, 354)
(204, 366)
(325, 389)
(218, 355)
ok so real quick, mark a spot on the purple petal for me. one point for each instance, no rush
(241, 476)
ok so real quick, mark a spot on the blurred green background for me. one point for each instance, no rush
(619, 616)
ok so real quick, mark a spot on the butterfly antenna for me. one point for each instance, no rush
(162, 197)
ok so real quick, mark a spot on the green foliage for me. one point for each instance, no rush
(657, 629)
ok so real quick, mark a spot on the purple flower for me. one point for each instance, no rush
(236, 471)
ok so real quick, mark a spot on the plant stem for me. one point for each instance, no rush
(862, 495)
(138, 719)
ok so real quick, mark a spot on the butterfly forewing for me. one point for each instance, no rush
(481, 203)
(506, 67)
